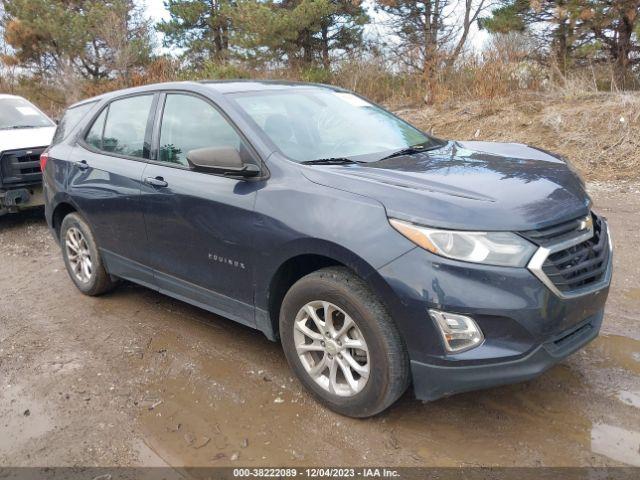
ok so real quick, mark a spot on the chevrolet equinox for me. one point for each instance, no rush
(376, 254)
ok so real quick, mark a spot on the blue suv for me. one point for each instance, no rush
(377, 255)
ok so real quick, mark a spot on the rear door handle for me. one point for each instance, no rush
(82, 165)
(155, 181)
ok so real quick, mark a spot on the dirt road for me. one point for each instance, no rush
(136, 378)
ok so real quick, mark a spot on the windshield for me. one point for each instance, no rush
(313, 124)
(18, 113)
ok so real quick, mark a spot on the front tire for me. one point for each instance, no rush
(82, 258)
(342, 344)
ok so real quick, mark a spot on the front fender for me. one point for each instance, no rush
(294, 216)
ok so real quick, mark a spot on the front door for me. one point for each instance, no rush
(199, 225)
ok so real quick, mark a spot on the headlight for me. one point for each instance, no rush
(492, 248)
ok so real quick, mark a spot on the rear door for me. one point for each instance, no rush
(106, 181)
(200, 225)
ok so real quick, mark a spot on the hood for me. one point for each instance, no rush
(19, 138)
(467, 186)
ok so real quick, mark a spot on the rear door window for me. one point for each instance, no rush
(121, 127)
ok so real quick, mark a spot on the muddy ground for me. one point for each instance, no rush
(136, 378)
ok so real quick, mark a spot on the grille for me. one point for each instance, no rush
(21, 167)
(580, 265)
(556, 233)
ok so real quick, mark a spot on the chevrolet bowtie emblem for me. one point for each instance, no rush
(586, 223)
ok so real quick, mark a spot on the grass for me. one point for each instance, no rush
(598, 132)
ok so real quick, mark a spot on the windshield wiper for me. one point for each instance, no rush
(329, 161)
(412, 150)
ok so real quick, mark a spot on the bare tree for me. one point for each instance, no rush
(472, 11)
(430, 32)
(123, 40)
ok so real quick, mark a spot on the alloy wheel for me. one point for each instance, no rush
(331, 348)
(78, 254)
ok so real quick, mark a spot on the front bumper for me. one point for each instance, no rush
(527, 327)
(435, 381)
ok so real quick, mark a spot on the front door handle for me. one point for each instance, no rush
(82, 165)
(155, 181)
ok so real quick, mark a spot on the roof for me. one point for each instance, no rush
(220, 86)
(6, 95)
(237, 86)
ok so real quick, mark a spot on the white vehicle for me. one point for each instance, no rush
(25, 131)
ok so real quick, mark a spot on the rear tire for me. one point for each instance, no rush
(82, 257)
(312, 345)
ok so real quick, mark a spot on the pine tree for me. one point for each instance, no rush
(302, 33)
(92, 38)
(200, 27)
(576, 30)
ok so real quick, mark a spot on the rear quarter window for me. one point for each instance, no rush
(70, 120)
(94, 135)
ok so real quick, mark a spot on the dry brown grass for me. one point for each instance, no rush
(598, 132)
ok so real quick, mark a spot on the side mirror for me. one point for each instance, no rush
(222, 160)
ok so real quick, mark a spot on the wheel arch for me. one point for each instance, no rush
(62, 209)
(302, 261)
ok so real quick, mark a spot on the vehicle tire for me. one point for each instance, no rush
(82, 258)
(360, 343)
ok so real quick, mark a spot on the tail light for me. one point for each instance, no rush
(44, 156)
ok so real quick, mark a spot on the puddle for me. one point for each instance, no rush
(216, 411)
(617, 351)
(23, 420)
(146, 456)
(153, 464)
(616, 443)
(630, 398)
(633, 294)
(532, 423)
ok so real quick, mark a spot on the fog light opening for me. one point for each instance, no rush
(459, 332)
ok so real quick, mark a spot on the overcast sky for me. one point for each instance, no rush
(155, 9)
